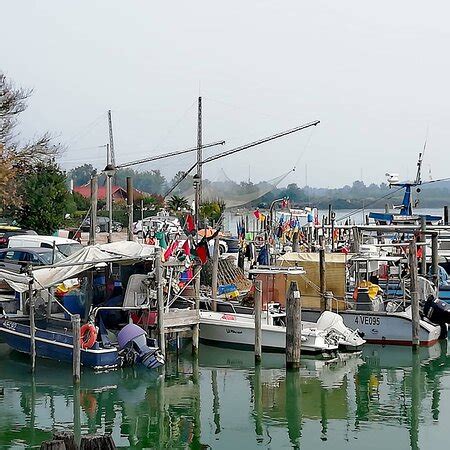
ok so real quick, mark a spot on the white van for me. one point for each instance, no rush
(65, 246)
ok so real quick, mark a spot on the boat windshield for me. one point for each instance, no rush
(69, 249)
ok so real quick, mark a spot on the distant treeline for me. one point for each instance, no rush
(262, 194)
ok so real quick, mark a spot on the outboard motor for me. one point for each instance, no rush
(133, 338)
(437, 312)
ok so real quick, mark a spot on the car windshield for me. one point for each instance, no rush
(47, 257)
(69, 249)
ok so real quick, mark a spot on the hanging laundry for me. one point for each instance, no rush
(257, 214)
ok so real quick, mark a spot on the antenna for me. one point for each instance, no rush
(111, 139)
(419, 165)
(198, 190)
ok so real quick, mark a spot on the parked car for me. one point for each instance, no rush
(102, 225)
(65, 246)
(6, 231)
(17, 259)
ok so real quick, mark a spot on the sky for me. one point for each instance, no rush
(376, 75)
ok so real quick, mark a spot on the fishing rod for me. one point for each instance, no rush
(166, 155)
(240, 149)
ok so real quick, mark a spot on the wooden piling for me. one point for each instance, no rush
(95, 442)
(445, 215)
(215, 273)
(67, 437)
(328, 296)
(435, 258)
(423, 259)
(196, 327)
(53, 444)
(258, 324)
(293, 327)
(93, 213)
(322, 278)
(414, 294)
(76, 363)
(295, 246)
(130, 202)
(32, 323)
(160, 301)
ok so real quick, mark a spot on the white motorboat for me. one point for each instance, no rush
(348, 339)
(238, 331)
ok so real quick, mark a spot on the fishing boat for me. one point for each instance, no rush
(238, 331)
(106, 342)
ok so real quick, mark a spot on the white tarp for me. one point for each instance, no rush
(88, 257)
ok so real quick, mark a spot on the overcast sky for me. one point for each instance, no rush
(376, 74)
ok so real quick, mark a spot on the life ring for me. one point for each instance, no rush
(88, 335)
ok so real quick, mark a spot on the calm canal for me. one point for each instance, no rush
(384, 398)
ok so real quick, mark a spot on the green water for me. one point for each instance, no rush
(384, 398)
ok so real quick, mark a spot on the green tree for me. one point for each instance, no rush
(46, 199)
(81, 175)
(177, 203)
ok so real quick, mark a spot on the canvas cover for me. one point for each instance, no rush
(125, 252)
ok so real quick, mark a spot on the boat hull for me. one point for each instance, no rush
(55, 346)
(222, 330)
(379, 327)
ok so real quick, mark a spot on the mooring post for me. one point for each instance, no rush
(76, 321)
(196, 327)
(414, 294)
(93, 214)
(423, 259)
(328, 300)
(258, 325)
(322, 278)
(130, 202)
(293, 327)
(215, 273)
(435, 259)
(32, 323)
(445, 215)
(160, 301)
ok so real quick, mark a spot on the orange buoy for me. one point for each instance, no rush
(88, 335)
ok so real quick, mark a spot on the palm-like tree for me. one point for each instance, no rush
(178, 203)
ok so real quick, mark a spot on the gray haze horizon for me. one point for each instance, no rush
(374, 73)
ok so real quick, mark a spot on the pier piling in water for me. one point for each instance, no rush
(423, 259)
(414, 294)
(322, 279)
(258, 328)
(196, 327)
(32, 323)
(445, 215)
(76, 363)
(293, 327)
(160, 301)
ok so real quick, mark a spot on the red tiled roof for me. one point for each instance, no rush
(117, 192)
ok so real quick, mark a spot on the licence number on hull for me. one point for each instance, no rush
(367, 320)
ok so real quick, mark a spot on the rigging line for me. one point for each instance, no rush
(389, 194)
(174, 125)
(304, 149)
(76, 136)
(245, 147)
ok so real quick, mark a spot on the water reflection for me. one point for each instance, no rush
(384, 396)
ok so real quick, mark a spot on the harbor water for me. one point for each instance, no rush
(385, 397)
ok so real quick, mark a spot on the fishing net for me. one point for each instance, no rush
(232, 193)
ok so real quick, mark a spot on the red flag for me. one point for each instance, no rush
(172, 247)
(186, 247)
(190, 226)
(256, 213)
